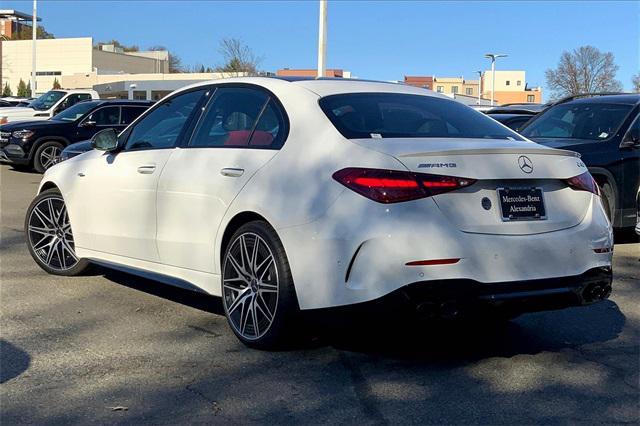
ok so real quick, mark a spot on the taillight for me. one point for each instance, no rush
(584, 182)
(394, 186)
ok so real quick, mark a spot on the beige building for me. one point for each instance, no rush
(62, 57)
(511, 87)
(455, 85)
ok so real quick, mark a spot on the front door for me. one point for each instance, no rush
(117, 193)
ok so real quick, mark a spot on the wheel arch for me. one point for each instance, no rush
(38, 142)
(602, 176)
(48, 185)
(233, 225)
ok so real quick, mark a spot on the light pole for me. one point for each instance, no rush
(479, 85)
(34, 36)
(322, 39)
(493, 57)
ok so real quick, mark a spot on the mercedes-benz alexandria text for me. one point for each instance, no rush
(282, 196)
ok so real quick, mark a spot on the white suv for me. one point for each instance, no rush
(47, 105)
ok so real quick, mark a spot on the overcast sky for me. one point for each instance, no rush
(373, 39)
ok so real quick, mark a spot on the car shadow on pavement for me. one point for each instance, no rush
(13, 361)
(456, 342)
(194, 299)
(401, 336)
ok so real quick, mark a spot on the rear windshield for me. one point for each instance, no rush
(394, 115)
(596, 121)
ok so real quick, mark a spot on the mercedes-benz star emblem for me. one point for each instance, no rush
(525, 164)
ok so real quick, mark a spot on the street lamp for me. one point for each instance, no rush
(493, 57)
(322, 39)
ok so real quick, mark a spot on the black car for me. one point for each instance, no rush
(605, 130)
(512, 120)
(37, 144)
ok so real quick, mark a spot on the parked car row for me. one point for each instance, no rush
(281, 196)
(39, 144)
(47, 105)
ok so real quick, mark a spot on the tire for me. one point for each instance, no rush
(49, 237)
(46, 155)
(608, 200)
(258, 294)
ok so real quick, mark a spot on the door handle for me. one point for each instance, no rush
(231, 172)
(147, 170)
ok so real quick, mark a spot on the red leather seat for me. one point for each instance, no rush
(241, 138)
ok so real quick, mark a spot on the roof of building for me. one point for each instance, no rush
(11, 13)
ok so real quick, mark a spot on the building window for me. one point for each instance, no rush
(518, 83)
(531, 98)
(440, 89)
(469, 91)
(454, 89)
(44, 73)
(508, 83)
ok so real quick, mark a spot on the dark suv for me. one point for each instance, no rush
(605, 130)
(37, 144)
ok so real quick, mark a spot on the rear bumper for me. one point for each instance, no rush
(349, 258)
(449, 298)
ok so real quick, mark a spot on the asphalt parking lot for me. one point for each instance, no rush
(113, 348)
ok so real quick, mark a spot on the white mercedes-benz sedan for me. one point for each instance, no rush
(281, 196)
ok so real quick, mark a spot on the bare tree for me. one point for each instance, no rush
(636, 83)
(175, 63)
(238, 57)
(585, 70)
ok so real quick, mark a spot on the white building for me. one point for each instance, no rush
(56, 58)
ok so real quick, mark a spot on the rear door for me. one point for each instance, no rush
(240, 131)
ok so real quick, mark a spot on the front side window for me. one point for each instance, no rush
(531, 98)
(508, 83)
(163, 125)
(440, 89)
(108, 116)
(469, 91)
(454, 89)
(395, 115)
(593, 121)
(75, 112)
(47, 100)
(240, 117)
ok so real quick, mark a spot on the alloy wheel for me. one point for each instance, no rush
(49, 234)
(49, 156)
(250, 286)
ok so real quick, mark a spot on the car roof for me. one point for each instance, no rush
(323, 86)
(623, 98)
(120, 102)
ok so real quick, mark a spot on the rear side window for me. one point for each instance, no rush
(162, 126)
(130, 113)
(394, 115)
(240, 117)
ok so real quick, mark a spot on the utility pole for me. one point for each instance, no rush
(493, 57)
(322, 39)
(479, 85)
(34, 36)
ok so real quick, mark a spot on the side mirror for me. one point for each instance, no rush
(631, 139)
(105, 140)
(88, 123)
